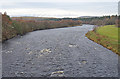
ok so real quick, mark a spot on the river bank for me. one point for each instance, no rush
(106, 36)
(12, 28)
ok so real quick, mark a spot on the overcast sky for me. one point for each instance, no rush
(59, 8)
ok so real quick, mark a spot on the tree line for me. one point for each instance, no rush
(103, 20)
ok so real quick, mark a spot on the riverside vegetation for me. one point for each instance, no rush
(12, 28)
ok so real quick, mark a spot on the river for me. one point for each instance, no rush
(60, 52)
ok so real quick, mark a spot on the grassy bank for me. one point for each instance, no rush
(107, 36)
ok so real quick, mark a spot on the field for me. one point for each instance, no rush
(107, 36)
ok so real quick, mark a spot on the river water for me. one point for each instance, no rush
(61, 52)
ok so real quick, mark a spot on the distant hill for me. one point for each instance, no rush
(88, 16)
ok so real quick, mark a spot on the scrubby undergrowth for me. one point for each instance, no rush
(12, 28)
